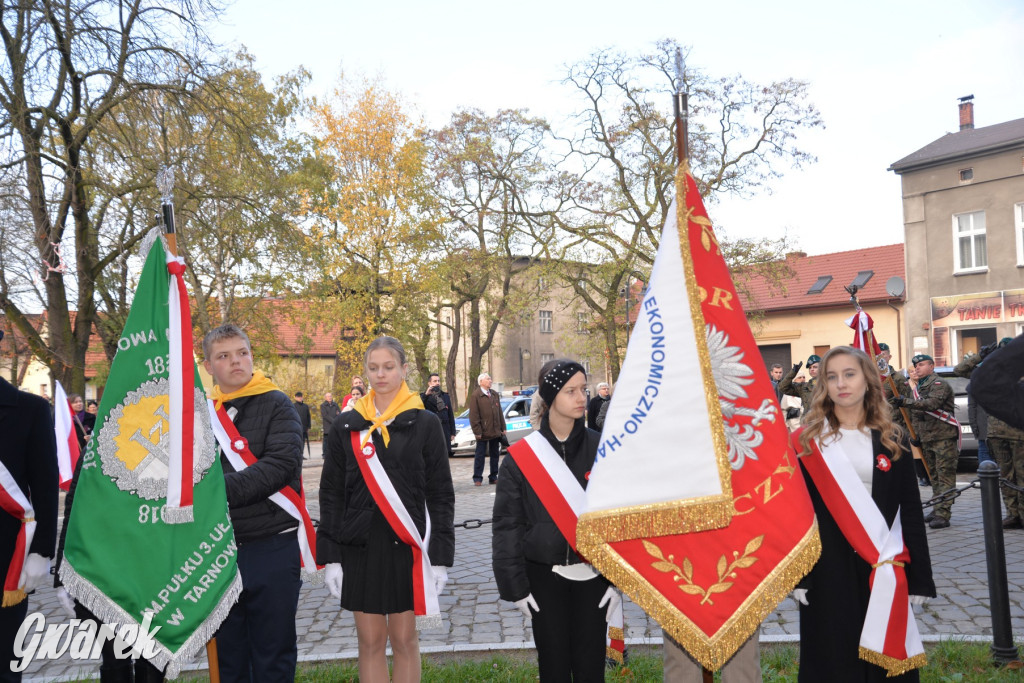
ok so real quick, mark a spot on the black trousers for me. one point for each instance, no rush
(257, 642)
(570, 628)
(10, 621)
(482, 447)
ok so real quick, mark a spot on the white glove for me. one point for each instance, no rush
(525, 604)
(919, 600)
(332, 578)
(440, 578)
(35, 572)
(67, 602)
(800, 595)
(613, 600)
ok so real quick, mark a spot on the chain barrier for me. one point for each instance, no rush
(473, 523)
(1013, 487)
(951, 494)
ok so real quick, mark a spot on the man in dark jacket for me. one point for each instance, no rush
(329, 411)
(29, 454)
(305, 418)
(488, 425)
(259, 632)
(440, 403)
(604, 395)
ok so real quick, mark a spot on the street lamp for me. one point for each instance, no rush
(524, 354)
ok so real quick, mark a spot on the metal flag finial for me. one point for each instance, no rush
(679, 69)
(165, 183)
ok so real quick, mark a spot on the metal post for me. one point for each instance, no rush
(1003, 649)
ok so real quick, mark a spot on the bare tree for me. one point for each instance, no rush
(618, 181)
(68, 67)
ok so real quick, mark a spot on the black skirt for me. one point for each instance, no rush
(378, 576)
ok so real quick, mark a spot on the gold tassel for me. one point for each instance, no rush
(893, 666)
(12, 598)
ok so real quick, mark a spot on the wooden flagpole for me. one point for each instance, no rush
(680, 103)
(165, 183)
(887, 370)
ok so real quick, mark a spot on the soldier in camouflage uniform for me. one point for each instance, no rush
(938, 438)
(790, 386)
(1005, 443)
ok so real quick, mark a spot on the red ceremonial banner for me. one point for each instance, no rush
(710, 589)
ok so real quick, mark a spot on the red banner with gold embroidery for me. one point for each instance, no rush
(694, 420)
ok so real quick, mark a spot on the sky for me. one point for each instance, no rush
(886, 77)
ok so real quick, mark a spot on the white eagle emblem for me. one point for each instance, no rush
(731, 376)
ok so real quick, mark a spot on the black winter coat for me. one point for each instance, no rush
(416, 462)
(522, 529)
(271, 426)
(305, 418)
(29, 452)
(837, 586)
(996, 384)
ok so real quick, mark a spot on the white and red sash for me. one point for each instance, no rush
(68, 450)
(424, 591)
(553, 481)
(889, 637)
(15, 503)
(565, 500)
(236, 449)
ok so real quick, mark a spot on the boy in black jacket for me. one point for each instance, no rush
(257, 641)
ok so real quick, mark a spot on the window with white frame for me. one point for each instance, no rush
(969, 246)
(582, 322)
(545, 357)
(1018, 226)
(545, 322)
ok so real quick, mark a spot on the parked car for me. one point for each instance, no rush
(516, 410)
(969, 442)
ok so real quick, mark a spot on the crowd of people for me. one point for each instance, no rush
(386, 534)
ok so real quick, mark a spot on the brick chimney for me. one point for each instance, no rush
(967, 112)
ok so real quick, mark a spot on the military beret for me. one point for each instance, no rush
(812, 359)
(1002, 342)
(920, 357)
(883, 346)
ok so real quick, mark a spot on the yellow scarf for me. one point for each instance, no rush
(403, 400)
(259, 384)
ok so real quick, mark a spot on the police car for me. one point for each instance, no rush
(516, 410)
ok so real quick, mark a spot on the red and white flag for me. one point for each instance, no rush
(68, 450)
(696, 507)
(863, 338)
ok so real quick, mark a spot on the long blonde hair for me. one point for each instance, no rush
(821, 418)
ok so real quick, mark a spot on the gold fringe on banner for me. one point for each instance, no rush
(711, 651)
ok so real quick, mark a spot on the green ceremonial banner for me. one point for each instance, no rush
(121, 559)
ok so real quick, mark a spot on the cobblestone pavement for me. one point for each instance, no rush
(475, 619)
